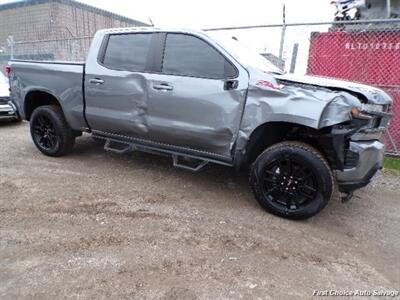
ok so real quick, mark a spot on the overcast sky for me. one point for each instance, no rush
(215, 13)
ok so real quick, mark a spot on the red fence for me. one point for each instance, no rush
(371, 57)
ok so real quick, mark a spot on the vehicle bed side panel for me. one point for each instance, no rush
(63, 81)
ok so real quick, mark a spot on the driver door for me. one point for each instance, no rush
(196, 98)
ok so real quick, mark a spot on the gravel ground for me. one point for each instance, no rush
(99, 225)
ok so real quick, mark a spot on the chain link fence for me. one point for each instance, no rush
(357, 51)
(365, 51)
(50, 49)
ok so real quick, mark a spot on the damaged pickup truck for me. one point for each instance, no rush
(208, 100)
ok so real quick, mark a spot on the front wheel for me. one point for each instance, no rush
(292, 180)
(50, 131)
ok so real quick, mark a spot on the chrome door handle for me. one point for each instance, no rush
(163, 87)
(96, 81)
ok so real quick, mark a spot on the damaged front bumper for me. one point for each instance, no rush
(370, 160)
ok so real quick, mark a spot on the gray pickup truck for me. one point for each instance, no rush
(207, 100)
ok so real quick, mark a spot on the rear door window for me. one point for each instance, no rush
(128, 52)
(187, 55)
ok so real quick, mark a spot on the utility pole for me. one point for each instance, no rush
(294, 58)
(11, 44)
(389, 8)
(282, 34)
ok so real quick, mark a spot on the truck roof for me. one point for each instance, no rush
(149, 29)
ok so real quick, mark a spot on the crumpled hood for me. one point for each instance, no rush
(374, 95)
(270, 99)
(308, 101)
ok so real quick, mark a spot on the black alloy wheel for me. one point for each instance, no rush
(50, 131)
(292, 180)
(45, 134)
(289, 183)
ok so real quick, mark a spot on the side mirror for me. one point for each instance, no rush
(231, 85)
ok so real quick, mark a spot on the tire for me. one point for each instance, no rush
(292, 180)
(50, 131)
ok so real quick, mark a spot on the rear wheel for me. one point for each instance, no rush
(292, 180)
(50, 131)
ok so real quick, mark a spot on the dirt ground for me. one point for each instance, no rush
(99, 225)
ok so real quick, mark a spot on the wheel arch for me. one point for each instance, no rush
(270, 133)
(37, 98)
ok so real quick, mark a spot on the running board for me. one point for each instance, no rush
(198, 166)
(184, 161)
(118, 147)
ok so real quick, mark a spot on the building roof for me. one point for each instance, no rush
(76, 4)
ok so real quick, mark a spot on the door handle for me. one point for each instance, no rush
(96, 81)
(163, 87)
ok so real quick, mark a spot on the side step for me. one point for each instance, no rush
(186, 162)
(194, 165)
(118, 147)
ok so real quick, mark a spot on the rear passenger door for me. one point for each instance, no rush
(196, 97)
(116, 85)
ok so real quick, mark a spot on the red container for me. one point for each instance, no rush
(371, 57)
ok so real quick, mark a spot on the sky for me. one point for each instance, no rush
(215, 13)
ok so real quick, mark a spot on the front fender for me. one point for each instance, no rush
(308, 106)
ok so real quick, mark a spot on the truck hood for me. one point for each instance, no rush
(308, 101)
(275, 98)
(371, 94)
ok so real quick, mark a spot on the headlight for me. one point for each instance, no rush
(358, 114)
(355, 112)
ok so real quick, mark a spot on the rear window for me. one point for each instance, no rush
(128, 52)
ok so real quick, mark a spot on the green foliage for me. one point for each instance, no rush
(392, 163)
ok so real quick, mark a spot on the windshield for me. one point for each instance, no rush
(245, 55)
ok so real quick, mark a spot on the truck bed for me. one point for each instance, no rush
(64, 78)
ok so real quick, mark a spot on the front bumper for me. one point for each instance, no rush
(8, 111)
(371, 155)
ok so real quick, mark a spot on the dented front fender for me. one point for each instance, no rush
(270, 100)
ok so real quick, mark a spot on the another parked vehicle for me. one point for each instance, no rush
(202, 100)
(8, 111)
